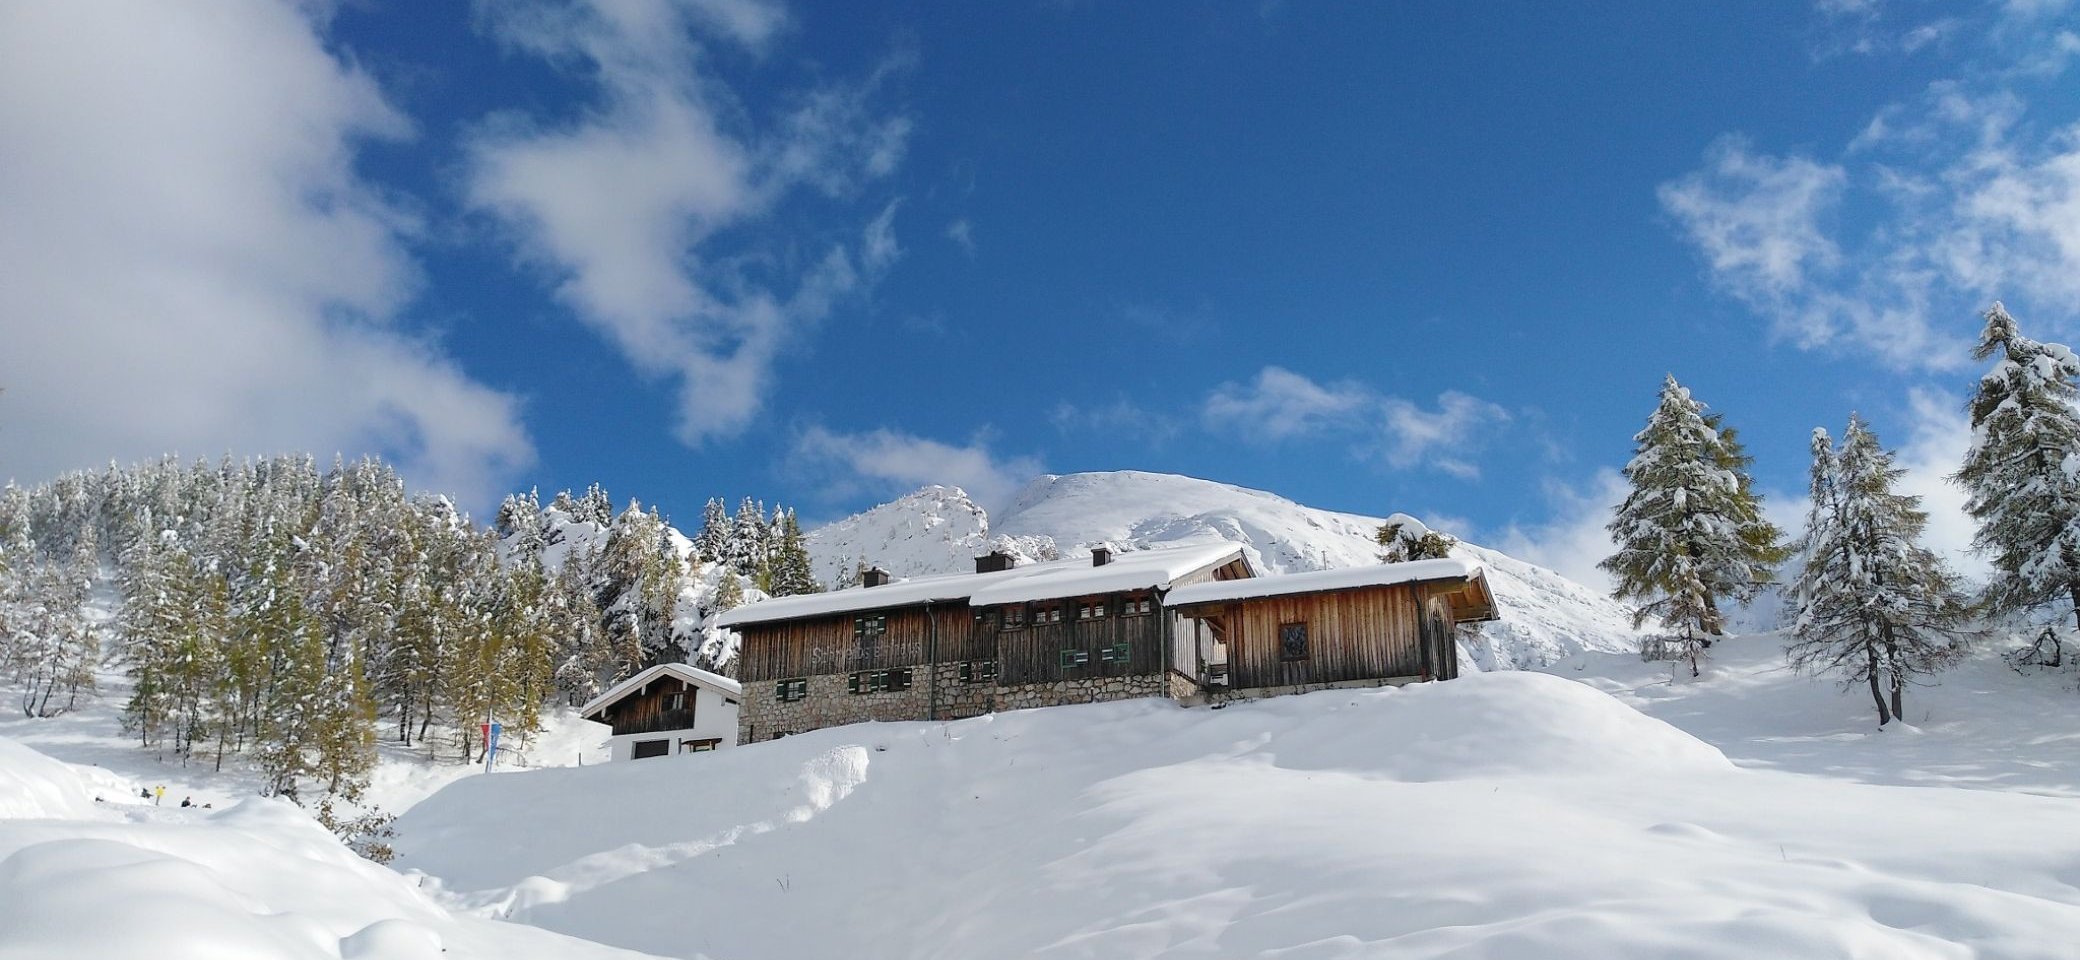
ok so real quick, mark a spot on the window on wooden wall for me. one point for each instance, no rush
(1047, 613)
(675, 701)
(870, 627)
(1292, 641)
(1117, 653)
(788, 691)
(1136, 605)
(1090, 610)
(979, 671)
(1013, 617)
(1075, 658)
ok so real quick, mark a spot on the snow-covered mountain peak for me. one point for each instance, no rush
(940, 530)
(933, 530)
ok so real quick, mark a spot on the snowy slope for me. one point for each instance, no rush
(938, 529)
(1502, 815)
(119, 878)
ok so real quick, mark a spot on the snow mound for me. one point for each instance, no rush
(1505, 724)
(1498, 816)
(34, 786)
(1546, 616)
(258, 879)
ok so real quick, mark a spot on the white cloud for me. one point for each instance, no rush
(621, 205)
(886, 462)
(1572, 541)
(1938, 432)
(192, 262)
(1439, 438)
(1280, 405)
(1757, 218)
(1947, 200)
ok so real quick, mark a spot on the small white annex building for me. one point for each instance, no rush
(667, 710)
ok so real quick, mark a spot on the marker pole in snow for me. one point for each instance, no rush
(490, 744)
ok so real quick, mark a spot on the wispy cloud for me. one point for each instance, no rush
(1279, 405)
(963, 235)
(1121, 418)
(621, 206)
(888, 462)
(193, 263)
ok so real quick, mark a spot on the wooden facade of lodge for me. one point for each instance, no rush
(1109, 627)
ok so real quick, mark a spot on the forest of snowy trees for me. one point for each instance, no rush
(272, 613)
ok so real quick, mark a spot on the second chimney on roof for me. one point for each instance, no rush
(1101, 556)
(993, 562)
(873, 577)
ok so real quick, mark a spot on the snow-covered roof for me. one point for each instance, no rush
(1346, 578)
(688, 673)
(1130, 570)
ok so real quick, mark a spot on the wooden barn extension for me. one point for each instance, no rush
(1359, 626)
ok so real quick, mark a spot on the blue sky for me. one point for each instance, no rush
(1426, 257)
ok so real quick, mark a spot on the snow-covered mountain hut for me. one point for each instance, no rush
(667, 710)
(1356, 626)
(959, 645)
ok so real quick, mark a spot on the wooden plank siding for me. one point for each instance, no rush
(1360, 634)
(645, 712)
(1028, 654)
(809, 647)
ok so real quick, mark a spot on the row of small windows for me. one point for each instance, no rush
(871, 628)
(1117, 653)
(1018, 615)
(897, 679)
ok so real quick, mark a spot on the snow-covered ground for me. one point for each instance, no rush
(1519, 815)
(1599, 809)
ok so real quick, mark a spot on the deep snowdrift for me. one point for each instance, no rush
(939, 530)
(1500, 815)
(258, 879)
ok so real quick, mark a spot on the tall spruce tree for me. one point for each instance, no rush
(1691, 533)
(2022, 474)
(790, 570)
(1870, 603)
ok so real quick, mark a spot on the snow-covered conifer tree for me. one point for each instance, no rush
(2022, 473)
(1402, 539)
(1871, 604)
(711, 545)
(791, 570)
(1691, 532)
